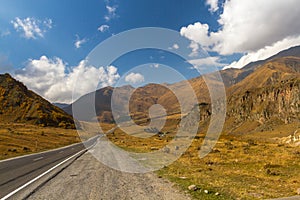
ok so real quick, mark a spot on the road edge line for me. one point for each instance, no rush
(47, 151)
(41, 175)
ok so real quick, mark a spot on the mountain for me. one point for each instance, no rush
(265, 107)
(60, 105)
(141, 100)
(20, 105)
(232, 76)
(244, 88)
(271, 73)
(293, 52)
(102, 104)
(269, 95)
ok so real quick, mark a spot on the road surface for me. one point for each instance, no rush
(18, 171)
(89, 179)
(84, 178)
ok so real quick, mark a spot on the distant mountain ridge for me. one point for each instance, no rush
(259, 80)
(293, 52)
(232, 75)
(60, 105)
(20, 105)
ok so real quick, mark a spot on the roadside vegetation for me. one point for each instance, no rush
(241, 166)
(21, 139)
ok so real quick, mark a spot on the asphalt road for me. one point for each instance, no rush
(16, 172)
(88, 179)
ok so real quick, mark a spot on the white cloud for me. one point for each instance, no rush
(48, 77)
(32, 28)
(111, 12)
(247, 26)
(213, 4)
(208, 62)
(199, 35)
(265, 52)
(111, 9)
(195, 49)
(79, 42)
(103, 28)
(134, 78)
(155, 65)
(174, 47)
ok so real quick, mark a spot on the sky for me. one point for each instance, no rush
(48, 44)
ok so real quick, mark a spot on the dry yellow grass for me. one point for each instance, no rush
(21, 139)
(240, 166)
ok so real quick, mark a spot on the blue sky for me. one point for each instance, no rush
(44, 43)
(82, 18)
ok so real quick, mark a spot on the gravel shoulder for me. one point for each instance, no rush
(87, 178)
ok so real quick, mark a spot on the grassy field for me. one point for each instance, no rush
(247, 166)
(22, 139)
(241, 166)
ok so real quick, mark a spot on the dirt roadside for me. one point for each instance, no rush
(87, 178)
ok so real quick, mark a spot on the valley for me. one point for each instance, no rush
(257, 155)
(150, 100)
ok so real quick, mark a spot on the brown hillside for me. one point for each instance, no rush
(269, 75)
(18, 104)
(268, 97)
(145, 97)
(272, 72)
(265, 107)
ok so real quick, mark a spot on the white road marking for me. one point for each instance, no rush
(40, 153)
(40, 158)
(48, 171)
(61, 151)
(40, 176)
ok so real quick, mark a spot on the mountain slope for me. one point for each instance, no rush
(141, 100)
(293, 51)
(232, 76)
(18, 104)
(263, 101)
(102, 104)
(270, 73)
(60, 105)
(266, 106)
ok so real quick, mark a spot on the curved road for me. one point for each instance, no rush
(16, 172)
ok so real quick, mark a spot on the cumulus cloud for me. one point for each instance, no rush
(199, 35)
(111, 9)
(103, 28)
(53, 80)
(111, 12)
(174, 47)
(155, 65)
(195, 49)
(79, 42)
(134, 78)
(213, 4)
(32, 28)
(248, 26)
